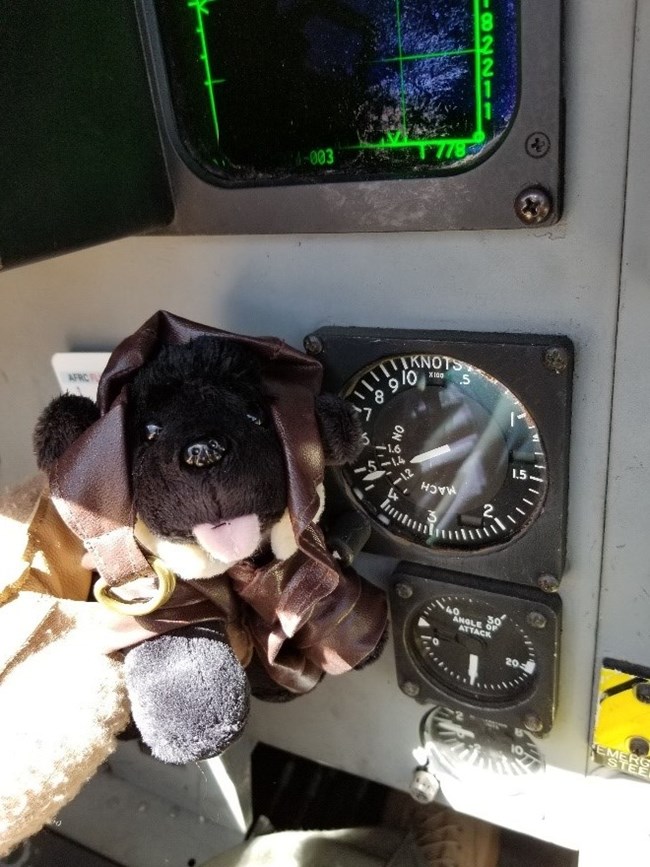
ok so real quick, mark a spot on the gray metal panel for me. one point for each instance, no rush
(624, 631)
(624, 605)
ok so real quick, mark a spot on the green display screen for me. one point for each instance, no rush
(272, 91)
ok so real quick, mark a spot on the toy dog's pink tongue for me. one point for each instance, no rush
(230, 540)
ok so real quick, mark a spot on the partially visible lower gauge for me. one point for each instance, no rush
(452, 458)
(469, 748)
(473, 648)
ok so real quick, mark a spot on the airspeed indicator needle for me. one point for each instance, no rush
(432, 453)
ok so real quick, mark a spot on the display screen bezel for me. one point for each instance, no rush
(483, 198)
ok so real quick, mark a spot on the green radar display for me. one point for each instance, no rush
(289, 91)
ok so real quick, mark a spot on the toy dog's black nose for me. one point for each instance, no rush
(203, 453)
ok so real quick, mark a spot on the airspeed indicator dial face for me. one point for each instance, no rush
(473, 648)
(452, 458)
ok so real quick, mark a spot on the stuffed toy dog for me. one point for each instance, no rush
(195, 485)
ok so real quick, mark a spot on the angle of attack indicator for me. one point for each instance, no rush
(473, 648)
(452, 459)
(342, 86)
(469, 644)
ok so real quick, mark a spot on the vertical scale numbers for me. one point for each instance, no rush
(487, 58)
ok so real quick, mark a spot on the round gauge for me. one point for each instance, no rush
(472, 648)
(452, 459)
(468, 747)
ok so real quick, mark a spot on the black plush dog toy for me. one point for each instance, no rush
(195, 483)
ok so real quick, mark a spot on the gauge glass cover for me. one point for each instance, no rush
(473, 648)
(451, 458)
(277, 90)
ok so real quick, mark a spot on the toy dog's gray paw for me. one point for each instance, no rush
(189, 694)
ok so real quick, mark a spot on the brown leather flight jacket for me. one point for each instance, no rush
(301, 616)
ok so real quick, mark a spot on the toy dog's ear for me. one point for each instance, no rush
(61, 422)
(340, 429)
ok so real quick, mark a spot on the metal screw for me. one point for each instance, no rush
(411, 689)
(556, 359)
(538, 144)
(639, 746)
(313, 344)
(533, 723)
(533, 206)
(537, 620)
(548, 583)
(642, 692)
(404, 591)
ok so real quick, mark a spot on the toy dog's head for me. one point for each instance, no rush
(209, 481)
(207, 465)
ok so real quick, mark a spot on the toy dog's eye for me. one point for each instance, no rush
(152, 431)
(256, 415)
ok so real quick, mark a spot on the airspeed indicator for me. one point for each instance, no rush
(452, 458)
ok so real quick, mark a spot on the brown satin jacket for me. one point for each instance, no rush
(301, 616)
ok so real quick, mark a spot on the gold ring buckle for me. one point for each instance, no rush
(103, 593)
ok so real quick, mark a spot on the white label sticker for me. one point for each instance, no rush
(79, 372)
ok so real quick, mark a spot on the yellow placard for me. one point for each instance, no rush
(622, 727)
